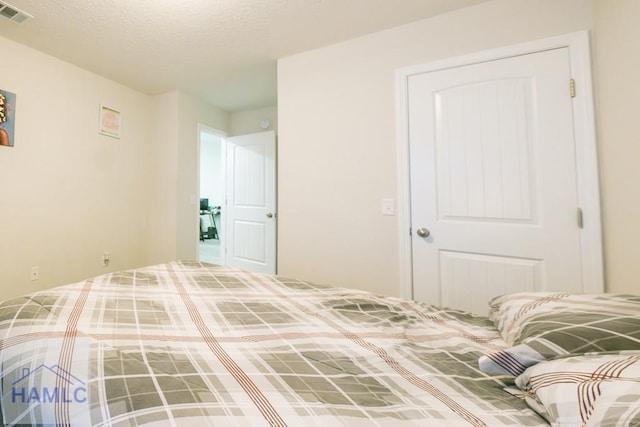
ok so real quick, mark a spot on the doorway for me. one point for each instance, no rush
(212, 195)
(237, 187)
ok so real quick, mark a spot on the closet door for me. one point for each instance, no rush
(494, 201)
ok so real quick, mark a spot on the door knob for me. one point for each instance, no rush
(423, 232)
(269, 215)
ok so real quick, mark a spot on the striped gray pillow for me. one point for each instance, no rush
(546, 326)
(601, 390)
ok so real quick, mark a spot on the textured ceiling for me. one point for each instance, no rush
(223, 51)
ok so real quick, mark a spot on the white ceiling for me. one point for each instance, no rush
(223, 51)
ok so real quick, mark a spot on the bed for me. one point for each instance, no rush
(195, 344)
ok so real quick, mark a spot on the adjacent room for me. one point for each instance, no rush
(306, 212)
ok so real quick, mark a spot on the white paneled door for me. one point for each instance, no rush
(494, 203)
(251, 202)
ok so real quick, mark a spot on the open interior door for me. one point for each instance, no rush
(251, 202)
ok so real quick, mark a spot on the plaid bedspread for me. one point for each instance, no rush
(194, 344)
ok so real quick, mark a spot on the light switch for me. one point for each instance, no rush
(387, 207)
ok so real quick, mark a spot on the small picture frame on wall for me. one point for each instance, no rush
(110, 122)
(7, 118)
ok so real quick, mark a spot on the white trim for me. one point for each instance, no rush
(587, 166)
(586, 150)
(404, 187)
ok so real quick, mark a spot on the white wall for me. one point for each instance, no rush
(211, 179)
(246, 122)
(191, 112)
(617, 108)
(337, 134)
(163, 157)
(175, 168)
(68, 193)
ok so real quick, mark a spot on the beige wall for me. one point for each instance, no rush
(163, 156)
(191, 112)
(68, 193)
(337, 134)
(246, 122)
(617, 108)
(175, 166)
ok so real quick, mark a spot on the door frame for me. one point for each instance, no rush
(588, 192)
(223, 176)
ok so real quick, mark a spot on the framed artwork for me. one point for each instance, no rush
(7, 118)
(109, 122)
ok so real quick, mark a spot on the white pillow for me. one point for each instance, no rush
(600, 390)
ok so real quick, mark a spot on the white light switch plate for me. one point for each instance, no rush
(387, 207)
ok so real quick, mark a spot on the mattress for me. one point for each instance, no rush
(188, 343)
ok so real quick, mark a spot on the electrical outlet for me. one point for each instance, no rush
(35, 272)
(105, 259)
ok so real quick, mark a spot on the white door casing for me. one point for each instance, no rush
(250, 213)
(496, 177)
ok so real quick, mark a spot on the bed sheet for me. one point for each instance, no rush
(187, 343)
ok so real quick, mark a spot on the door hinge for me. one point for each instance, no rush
(580, 219)
(572, 88)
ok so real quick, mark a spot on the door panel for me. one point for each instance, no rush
(251, 202)
(250, 241)
(483, 145)
(249, 164)
(493, 178)
(487, 274)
